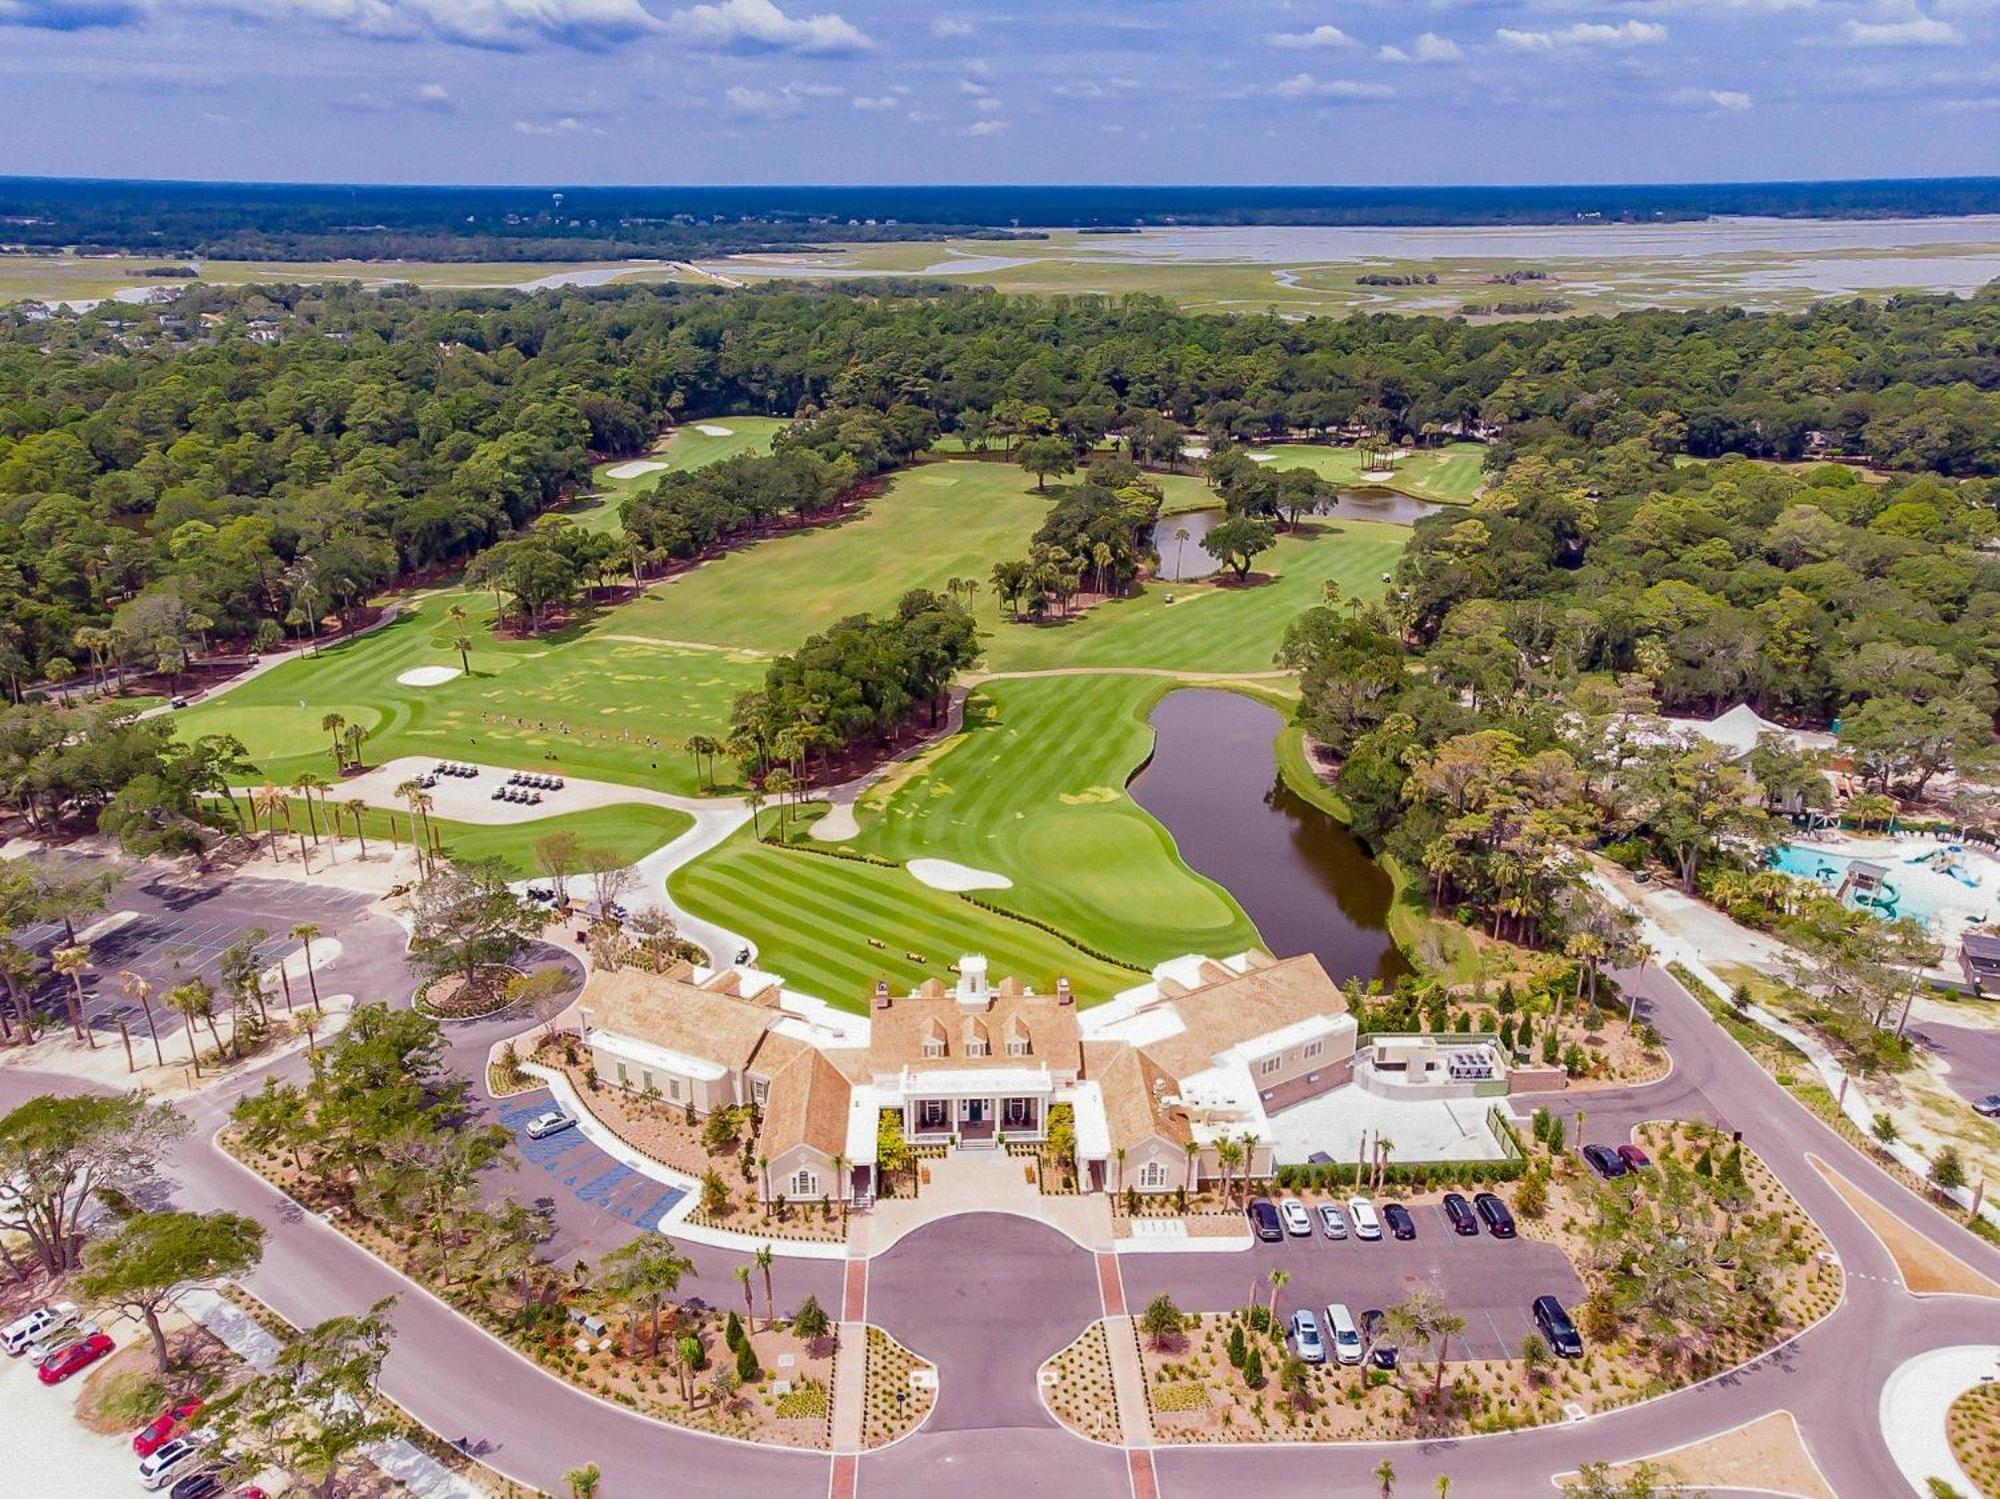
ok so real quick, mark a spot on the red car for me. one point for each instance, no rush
(149, 1438)
(1634, 1158)
(64, 1362)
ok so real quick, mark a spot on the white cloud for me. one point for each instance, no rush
(923, 117)
(988, 105)
(1583, 34)
(1319, 36)
(434, 94)
(950, 26)
(565, 125)
(1913, 30)
(762, 103)
(986, 128)
(1722, 100)
(1305, 86)
(510, 24)
(759, 26)
(1430, 47)
(976, 90)
(876, 104)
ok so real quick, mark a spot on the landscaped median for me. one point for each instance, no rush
(900, 1390)
(1692, 1266)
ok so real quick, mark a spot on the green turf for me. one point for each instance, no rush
(1210, 626)
(1449, 475)
(684, 449)
(1035, 790)
(812, 916)
(627, 707)
(935, 522)
(630, 831)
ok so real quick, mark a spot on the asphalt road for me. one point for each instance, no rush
(988, 1298)
(1972, 1056)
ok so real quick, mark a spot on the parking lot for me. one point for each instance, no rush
(1490, 1282)
(171, 934)
(587, 1172)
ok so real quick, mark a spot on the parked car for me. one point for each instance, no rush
(1346, 1336)
(1401, 1224)
(554, 1122)
(1499, 1222)
(1264, 1221)
(742, 955)
(33, 1326)
(64, 1362)
(57, 1338)
(1304, 1333)
(1374, 1336)
(1987, 1107)
(1634, 1158)
(149, 1438)
(1605, 1161)
(203, 1485)
(173, 1461)
(1319, 1158)
(1557, 1330)
(1460, 1214)
(1330, 1222)
(1361, 1213)
(1298, 1222)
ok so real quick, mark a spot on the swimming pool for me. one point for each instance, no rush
(1931, 882)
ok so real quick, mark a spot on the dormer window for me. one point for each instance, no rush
(934, 1046)
(1018, 1047)
(976, 1047)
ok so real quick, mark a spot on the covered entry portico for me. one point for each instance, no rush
(977, 1105)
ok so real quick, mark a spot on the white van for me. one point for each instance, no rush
(1343, 1334)
(18, 1334)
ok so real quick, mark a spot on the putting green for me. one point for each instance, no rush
(684, 448)
(587, 704)
(1449, 475)
(812, 916)
(1034, 790)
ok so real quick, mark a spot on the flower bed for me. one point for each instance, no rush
(1080, 1388)
(1974, 1428)
(893, 1403)
(450, 997)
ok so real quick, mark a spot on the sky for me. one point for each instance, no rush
(922, 91)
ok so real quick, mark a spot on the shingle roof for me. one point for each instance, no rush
(1239, 1007)
(668, 1009)
(806, 1104)
(1135, 1091)
(897, 1034)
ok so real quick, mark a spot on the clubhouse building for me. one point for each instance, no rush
(1157, 1079)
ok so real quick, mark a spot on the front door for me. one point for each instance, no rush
(975, 1111)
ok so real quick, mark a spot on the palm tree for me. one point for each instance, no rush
(463, 645)
(136, 986)
(305, 783)
(73, 963)
(1443, 1485)
(754, 800)
(1182, 535)
(764, 1258)
(743, 1279)
(356, 808)
(846, 1180)
(644, 1273)
(267, 801)
(583, 1481)
(332, 724)
(782, 783)
(191, 999)
(1385, 1474)
(703, 747)
(419, 804)
(356, 736)
(303, 934)
(1277, 1279)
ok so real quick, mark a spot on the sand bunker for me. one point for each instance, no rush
(1263, 457)
(709, 429)
(638, 468)
(427, 676)
(943, 874)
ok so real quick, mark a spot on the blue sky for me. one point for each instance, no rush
(1280, 91)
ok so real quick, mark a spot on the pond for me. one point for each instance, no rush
(1299, 874)
(1183, 559)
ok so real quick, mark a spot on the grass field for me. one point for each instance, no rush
(1035, 790)
(684, 448)
(630, 831)
(1449, 475)
(936, 522)
(812, 915)
(627, 707)
(1210, 626)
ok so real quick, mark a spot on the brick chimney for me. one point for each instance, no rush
(881, 994)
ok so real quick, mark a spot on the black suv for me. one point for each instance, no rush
(1605, 1161)
(1264, 1219)
(1459, 1211)
(1499, 1222)
(1557, 1329)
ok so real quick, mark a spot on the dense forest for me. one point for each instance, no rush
(307, 221)
(237, 465)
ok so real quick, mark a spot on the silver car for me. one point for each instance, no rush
(554, 1122)
(1330, 1222)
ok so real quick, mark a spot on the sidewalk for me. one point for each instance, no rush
(850, 1387)
(1128, 1379)
(981, 1181)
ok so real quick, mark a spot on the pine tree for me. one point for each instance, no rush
(1253, 1369)
(1238, 1351)
(732, 1332)
(747, 1368)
